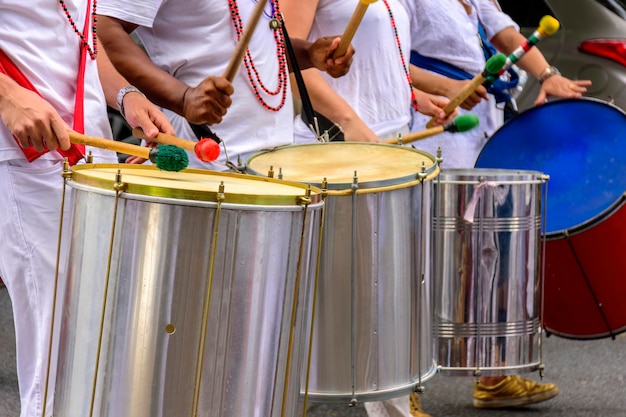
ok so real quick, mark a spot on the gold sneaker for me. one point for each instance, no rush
(513, 391)
(415, 407)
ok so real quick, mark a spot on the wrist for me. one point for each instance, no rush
(122, 94)
(547, 73)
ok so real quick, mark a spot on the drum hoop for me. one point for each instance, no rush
(341, 189)
(109, 184)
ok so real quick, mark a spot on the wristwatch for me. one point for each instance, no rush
(120, 97)
(547, 73)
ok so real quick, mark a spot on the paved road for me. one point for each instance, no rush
(590, 375)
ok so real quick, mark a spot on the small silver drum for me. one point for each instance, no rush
(486, 241)
(372, 323)
(186, 293)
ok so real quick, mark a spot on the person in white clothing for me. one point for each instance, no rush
(53, 79)
(448, 31)
(189, 45)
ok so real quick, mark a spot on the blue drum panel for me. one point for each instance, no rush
(581, 144)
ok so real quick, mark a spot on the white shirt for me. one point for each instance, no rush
(193, 39)
(376, 86)
(45, 48)
(442, 29)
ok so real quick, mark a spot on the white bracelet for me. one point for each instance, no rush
(122, 93)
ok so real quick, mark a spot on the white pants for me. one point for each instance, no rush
(29, 227)
(395, 407)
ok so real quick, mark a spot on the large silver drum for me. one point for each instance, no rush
(486, 241)
(372, 322)
(186, 294)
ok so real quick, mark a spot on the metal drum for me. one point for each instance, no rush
(486, 241)
(372, 321)
(186, 293)
(581, 144)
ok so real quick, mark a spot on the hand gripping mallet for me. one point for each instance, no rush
(492, 68)
(167, 158)
(202, 131)
(352, 26)
(460, 124)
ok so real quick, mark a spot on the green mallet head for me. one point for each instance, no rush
(462, 123)
(169, 158)
(495, 64)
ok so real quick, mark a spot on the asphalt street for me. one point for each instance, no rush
(590, 375)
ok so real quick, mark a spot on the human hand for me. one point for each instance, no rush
(321, 56)
(32, 120)
(562, 87)
(434, 106)
(455, 86)
(357, 131)
(208, 102)
(141, 112)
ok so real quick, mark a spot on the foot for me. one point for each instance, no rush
(415, 407)
(513, 391)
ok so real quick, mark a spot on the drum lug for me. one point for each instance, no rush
(119, 185)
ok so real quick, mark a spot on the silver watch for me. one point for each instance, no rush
(122, 93)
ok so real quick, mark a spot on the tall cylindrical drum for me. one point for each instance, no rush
(372, 322)
(186, 293)
(486, 243)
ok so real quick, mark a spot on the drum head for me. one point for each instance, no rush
(375, 165)
(580, 144)
(193, 184)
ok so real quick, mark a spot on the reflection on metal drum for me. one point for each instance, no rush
(581, 145)
(486, 241)
(186, 293)
(372, 335)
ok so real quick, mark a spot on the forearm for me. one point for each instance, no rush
(510, 39)
(135, 66)
(429, 82)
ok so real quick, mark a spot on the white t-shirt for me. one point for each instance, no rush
(45, 48)
(376, 86)
(442, 29)
(193, 39)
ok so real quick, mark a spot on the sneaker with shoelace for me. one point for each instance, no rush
(513, 391)
(415, 408)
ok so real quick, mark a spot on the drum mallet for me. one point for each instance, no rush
(211, 151)
(548, 25)
(206, 150)
(167, 157)
(352, 26)
(461, 123)
(492, 68)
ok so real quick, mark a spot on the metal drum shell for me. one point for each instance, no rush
(372, 335)
(163, 254)
(486, 271)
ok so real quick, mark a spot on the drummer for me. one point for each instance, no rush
(189, 45)
(40, 101)
(448, 30)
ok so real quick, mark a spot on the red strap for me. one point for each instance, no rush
(76, 152)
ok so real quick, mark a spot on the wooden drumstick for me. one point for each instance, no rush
(242, 45)
(167, 158)
(352, 26)
(206, 150)
(492, 68)
(461, 123)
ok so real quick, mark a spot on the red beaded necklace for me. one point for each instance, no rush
(253, 75)
(402, 60)
(93, 52)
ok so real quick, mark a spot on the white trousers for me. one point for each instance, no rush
(29, 228)
(395, 407)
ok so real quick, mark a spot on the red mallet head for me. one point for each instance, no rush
(207, 150)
